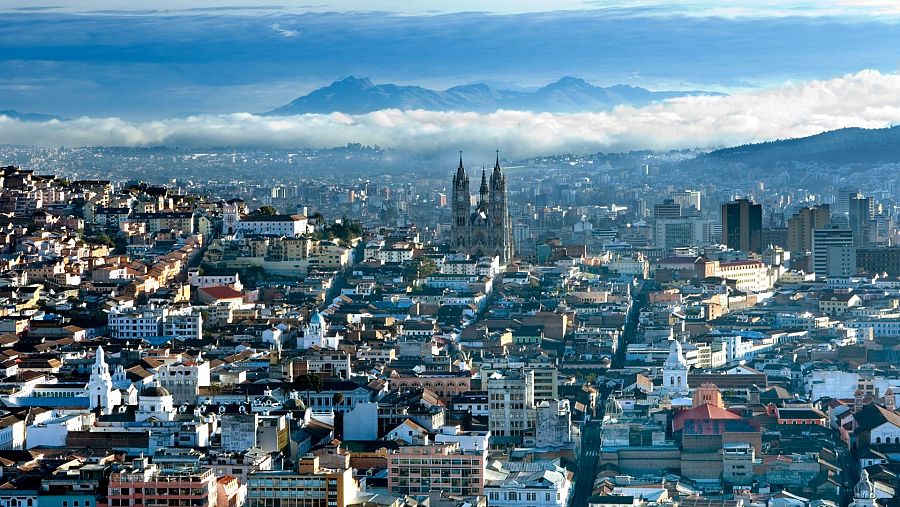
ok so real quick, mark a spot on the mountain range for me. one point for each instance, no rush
(568, 95)
(842, 146)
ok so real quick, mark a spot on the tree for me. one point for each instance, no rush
(337, 399)
(308, 382)
(420, 267)
(267, 211)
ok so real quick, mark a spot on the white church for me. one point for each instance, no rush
(315, 334)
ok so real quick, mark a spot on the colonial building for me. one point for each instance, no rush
(488, 230)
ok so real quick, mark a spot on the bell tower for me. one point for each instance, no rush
(461, 205)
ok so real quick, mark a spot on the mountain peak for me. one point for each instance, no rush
(353, 81)
(568, 82)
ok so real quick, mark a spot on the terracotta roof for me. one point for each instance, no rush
(703, 412)
(221, 292)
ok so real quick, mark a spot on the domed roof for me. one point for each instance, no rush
(155, 392)
(294, 404)
(613, 408)
(317, 320)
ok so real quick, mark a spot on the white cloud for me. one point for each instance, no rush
(865, 99)
(285, 32)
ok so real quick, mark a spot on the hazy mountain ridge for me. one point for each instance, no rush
(842, 146)
(568, 95)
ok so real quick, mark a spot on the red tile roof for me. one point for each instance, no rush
(703, 412)
(221, 292)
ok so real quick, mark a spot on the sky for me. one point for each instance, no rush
(150, 75)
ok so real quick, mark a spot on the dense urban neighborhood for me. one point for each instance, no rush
(426, 343)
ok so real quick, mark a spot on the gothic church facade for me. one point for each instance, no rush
(486, 230)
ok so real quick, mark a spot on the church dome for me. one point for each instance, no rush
(294, 404)
(155, 392)
(317, 320)
(613, 408)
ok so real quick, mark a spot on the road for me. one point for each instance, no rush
(590, 438)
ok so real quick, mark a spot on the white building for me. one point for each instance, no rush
(184, 379)
(675, 370)
(511, 404)
(277, 225)
(99, 389)
(823, 240)
(315, 334)
(467, 440)
(152, 321)
(516, 484)
(155, 403)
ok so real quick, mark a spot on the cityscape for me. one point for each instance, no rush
(659, 285)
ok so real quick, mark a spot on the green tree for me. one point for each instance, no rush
(420, 267)
(267, 210)
(308, 382)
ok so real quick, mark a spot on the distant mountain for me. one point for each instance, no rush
(359, 95)
(843, 146)
(15, 115)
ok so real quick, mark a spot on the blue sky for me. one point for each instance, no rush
(191, 73)
(91, 57)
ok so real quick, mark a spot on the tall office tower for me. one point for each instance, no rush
(686, 198)
(742, 225)
(861, 214)
(667, 209)
(841, 207)
(801, 225)
(834, 243)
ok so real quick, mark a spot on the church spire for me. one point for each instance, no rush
(460, 171)
(497, 163)
(484, 186)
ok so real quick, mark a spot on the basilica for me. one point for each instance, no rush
(486, 231)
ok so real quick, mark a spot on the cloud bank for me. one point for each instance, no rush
(867, 99)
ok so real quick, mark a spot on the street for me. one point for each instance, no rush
(591, 435)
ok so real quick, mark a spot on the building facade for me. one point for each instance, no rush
(486, 231)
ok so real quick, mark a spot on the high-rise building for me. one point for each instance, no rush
(488, 230)
(742, 225)
(830, 241)
(687, 199)
(801, 225)
(861, 216)
(667, 209)
(511, 405)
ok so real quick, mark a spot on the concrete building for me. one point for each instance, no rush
(310, 486)
(184, 379)
(417, 470)
(829, 242)
(145, 483)
(511, 403)
(801, 225)
(553, 423)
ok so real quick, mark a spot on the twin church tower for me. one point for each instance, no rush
(486, 231)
